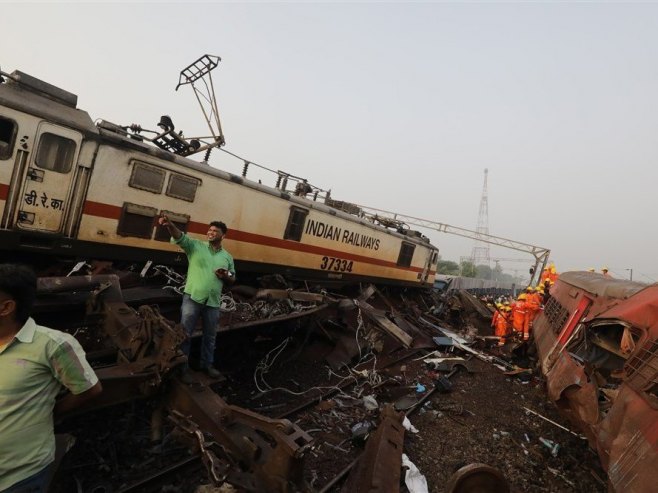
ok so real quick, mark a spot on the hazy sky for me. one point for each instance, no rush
(399, 106)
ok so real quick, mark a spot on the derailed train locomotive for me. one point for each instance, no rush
(70, 187)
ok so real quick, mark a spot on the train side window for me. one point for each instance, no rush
(181, 221)
(8, 129)
(182, 187)
(556, 314)
(642, 371)
(295, 226)
(55, 153)
(147, 177)
(137, 220)
(406, 254)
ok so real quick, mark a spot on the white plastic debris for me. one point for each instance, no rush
(370, 402)
(408, 426)
(415, 481)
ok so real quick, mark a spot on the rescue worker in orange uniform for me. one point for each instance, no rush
(502, 325)
(545, 274)
(533, 305)
(518, 314)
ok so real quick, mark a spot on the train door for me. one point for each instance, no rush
(47, 183)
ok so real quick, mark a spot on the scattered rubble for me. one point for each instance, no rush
(334, 383)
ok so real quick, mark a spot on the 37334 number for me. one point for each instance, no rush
(337, 264)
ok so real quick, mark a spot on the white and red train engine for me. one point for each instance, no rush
(73, 188)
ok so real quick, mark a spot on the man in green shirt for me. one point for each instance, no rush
(210, 266)
(35, 364)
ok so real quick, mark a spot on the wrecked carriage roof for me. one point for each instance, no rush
(601, 285)
(640, 305)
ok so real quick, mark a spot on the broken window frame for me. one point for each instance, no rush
(641, 370)
(295, 226)
(406, 254)
(588, 348)
(8, 132)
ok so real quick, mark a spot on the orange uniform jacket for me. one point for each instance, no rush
(533, 304)
(518, 315)
(502, 325)
(494, 319)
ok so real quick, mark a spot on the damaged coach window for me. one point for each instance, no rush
(295, 226)
(642, 371)
(605, 347)
(8, 129)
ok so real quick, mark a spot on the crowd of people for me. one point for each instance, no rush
(513, 318)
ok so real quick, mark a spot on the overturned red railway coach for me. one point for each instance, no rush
(597, 340)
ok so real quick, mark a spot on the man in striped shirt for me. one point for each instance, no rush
(36, 364)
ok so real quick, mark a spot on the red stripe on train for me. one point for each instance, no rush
(99, 209)
(4, 191)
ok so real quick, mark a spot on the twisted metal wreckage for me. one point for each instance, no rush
(595, 341)
(254, 452)
(259, 453)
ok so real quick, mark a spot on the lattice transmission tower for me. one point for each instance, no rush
(480, 254)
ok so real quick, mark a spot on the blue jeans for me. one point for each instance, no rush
(190, 313)
(37, 483)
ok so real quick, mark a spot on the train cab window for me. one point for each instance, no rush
(8, 129)
(147, 177)
(137, 220)
(182, 187)
(406, 254)
(179, 220)
(295, 226)
(55, 153)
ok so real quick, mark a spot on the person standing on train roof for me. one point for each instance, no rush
(36, 364)
(604, 271)
(209, 267)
